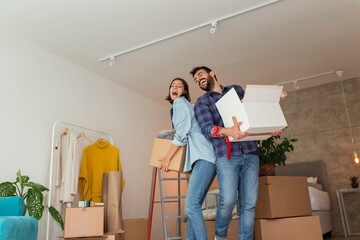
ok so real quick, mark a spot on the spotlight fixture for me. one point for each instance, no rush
(213, 27)
(112, 61)
(339, 73)
(296, 85)
(356, 159)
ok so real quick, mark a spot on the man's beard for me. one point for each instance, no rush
(209, 84)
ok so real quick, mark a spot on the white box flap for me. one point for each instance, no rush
(262, 94)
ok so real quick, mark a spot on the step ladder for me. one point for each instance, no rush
(166, 199)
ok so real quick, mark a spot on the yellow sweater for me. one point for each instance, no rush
(98, 158)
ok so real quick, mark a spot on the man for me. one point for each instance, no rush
(241, 173)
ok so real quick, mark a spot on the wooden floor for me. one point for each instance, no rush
(343, 238)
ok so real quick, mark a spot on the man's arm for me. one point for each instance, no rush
(234, 132)
(204, 117)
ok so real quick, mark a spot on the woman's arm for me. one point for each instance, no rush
(182, 125)
(165, 161)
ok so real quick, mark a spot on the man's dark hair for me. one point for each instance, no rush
(195, 69)
(186, 93)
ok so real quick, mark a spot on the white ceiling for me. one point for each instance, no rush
(286, 40)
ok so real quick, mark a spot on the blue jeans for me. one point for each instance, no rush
(239, 175)
(202, 175)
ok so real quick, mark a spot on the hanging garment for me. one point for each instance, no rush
(61, 153)
(81, 144)
(68, 176)
(98, 158)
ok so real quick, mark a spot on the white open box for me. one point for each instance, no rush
(260, 111)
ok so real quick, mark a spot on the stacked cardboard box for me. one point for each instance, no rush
(210, 229)
(283, 210)
(135, 229)
(86, 223)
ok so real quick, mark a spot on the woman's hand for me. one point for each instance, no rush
(164, 165)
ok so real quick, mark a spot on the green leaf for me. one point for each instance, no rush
(38, 186)
(273, 150)
(7, 189)
(18, 176)
(21, 179)
(34, 202)
(24, 179)
(56, 215)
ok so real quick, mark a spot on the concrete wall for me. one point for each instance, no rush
(317, 118)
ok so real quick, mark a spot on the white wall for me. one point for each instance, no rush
(37, 88)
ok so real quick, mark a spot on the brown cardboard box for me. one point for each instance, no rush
(160, 148)
(113, 237)
(210, 229)
(135, 229)
(84, 222)
(85, 238)
(105, 237)
(281, 196)
(297, 228)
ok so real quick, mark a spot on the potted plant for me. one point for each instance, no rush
(272, 153)
(354, 182)
(32, 193)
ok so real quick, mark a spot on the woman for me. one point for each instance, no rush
(200, 157)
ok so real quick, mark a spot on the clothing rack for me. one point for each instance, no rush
(57, 127)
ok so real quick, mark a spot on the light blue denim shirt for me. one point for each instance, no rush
(188, 133)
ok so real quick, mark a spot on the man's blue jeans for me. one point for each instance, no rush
(240, 174)
(202, 175)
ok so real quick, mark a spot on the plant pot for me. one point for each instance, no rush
(267, 169)
(355, 185)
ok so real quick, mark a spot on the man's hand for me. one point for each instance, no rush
(234, 132)
(283, 95)
(276, 133)
(165, 163)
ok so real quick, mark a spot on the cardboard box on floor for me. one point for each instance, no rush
(160, 148)
(135, 229)
(105, 237)
(297, 228)
(260, 111)
(210, 229)
(84, 222)
(282, 196)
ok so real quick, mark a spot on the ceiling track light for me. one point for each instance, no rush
(112, 61)
(296, 81)
(212, 29)
(339, 72)
(296, 85)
